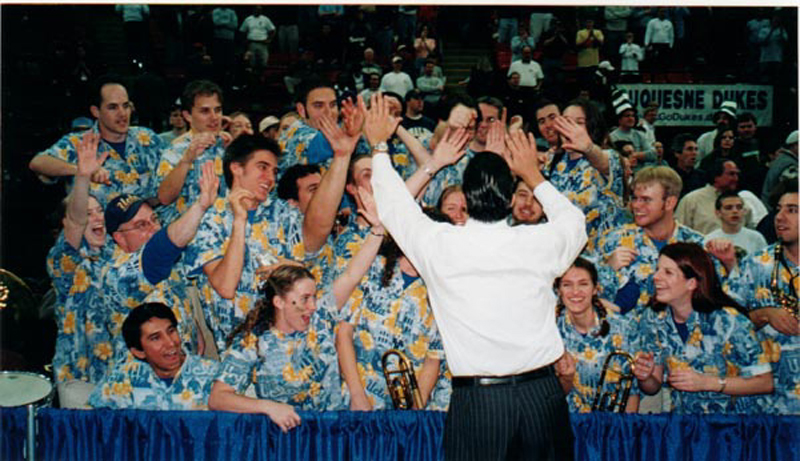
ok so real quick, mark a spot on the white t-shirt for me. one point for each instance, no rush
(257, 28)
(748, 239)
(397, 82)
(529, 74)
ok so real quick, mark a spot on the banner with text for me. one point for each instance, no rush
(694, 105)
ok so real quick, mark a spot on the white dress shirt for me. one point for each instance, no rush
(490, 285)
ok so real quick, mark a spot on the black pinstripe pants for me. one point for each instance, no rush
(526, 421)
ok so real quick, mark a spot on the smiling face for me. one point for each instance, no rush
(240, 125)
(294, 309)
(95, 232)
(455, 207)
(161, 347)
(525, 208)
(545, 119)
(576, 290)
(672, 286)
(131, 235)
(257, 175)
(650, 205)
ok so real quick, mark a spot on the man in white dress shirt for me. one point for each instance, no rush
(490, 287)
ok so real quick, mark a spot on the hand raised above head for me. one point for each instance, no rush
(209, 186)
(88, 161)
(380, 124)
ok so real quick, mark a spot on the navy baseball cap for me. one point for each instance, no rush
(121, 210)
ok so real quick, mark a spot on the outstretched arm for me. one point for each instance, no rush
(182, 231)
(76, 217)
(576, 139)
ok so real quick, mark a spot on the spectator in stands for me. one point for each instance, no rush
(644, 153)
(659, 38)
(180, 167)
(591, 333)
(424, 46)
(298, 185)
(725, 115)
(287, 18)
(328, 47)
(164, 376)
(525, 207)
(774, 40)
(753, 28)
(763, 277)
(133, 152)
(648, 122)
(540, 21)
(748, 153)
(431, 86)
(588, 40)
(397, 81)
(239, 124)
(631, 55)
(358, 33)
(481, 78)
(616, 28)
(145, 265)
(729, 209)
(703, 337)
(420, 126)
(696, 209)
(270, 127)
(369, 67)
(507, 25)
(287, 120)
(259, 31)
(684, 148)
(406, 23)
(530, 72)
(177, 123)
(724, 144)
(223, 51)
(784, 166)
(453, 203)
(521, 40)
(515, 99)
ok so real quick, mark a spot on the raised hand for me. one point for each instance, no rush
(461, 117)
(369, 208)
(495, 141)
(574, 137)
(522, 157)
(379, 124)
(88, 161)
(199, 144)
(452, 146)
(209, 185)
(239, 199)
(724, 250)
(353, 116)
(341, 143)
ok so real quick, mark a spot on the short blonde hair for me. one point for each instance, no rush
(664, 175)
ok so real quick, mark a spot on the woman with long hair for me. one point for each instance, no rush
(591, 332)
(287, 341)
(704, 345)
(453, 204)
(724, 147)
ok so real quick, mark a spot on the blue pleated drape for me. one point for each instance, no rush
(381, 435)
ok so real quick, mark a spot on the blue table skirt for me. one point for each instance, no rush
(383, 435)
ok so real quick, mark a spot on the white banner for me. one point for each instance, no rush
(695, 105)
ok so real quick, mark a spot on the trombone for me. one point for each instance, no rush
(786, 301)
(616, 397)
(401, 381)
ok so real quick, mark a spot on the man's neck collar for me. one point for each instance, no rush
(661, 230)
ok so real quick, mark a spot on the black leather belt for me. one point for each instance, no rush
(472, 381)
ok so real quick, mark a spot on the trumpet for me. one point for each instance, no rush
(785, 301)
(616, 398)
(401, 382)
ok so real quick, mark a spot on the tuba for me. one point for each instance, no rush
(615, 398)
(401, 382)
(786, 301)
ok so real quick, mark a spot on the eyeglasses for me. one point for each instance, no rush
(142, 225)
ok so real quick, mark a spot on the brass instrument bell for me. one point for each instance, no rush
(401, 381)
(616, 397)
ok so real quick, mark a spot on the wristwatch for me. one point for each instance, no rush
(381, 147)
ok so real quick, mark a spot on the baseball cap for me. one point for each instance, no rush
(267, 122)
(414, 94)
(729, 107)
(397, 59)
(791, 139)
(82, 123)
(121, 210)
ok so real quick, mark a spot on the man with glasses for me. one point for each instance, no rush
(143, 268)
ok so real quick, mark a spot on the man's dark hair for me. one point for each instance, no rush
(242, 148)
(785, 186)
(723, 196)
(99, 83)
(308, 85)
(679, 141)
(488, 186)
(457, 99)
(199, 88)
(746, 117)
(620, 145)
(132, 326)
(287, 186)
(716, 169)
(492, 101)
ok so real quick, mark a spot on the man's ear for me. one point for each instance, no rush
(671, 202)
(301, 109)
(137, 353)
(186, 116)
(95, 111)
